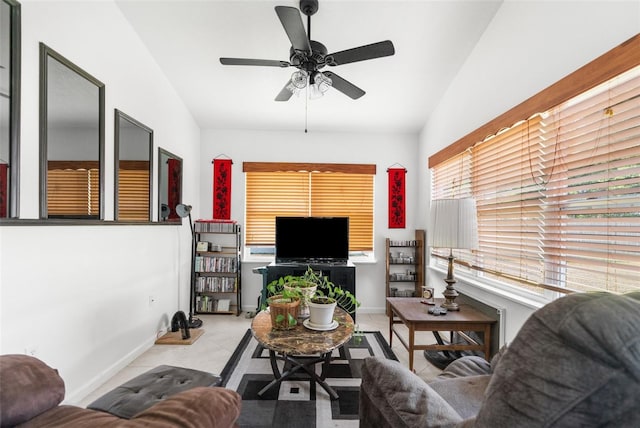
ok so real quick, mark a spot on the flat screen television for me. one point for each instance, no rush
(312, 239)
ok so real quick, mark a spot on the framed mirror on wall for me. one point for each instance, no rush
(169, 186)
(133, 169)
(9, 107)
(71, 140)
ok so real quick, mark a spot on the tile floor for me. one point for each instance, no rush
(222, 333)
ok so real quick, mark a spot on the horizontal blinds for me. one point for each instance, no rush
(592, 211)
(558, 194)
(346, 195)
(133, 194)
(272, 194)
(73, 192)
(322, 194)
(509, 202)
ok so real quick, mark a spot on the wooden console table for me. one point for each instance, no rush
(413, 314)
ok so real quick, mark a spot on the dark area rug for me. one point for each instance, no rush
(298, 402)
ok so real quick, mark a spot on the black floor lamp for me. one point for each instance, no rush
(185, 211)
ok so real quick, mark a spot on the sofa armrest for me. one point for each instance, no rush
(392, 396)
(201, 407)
(28, 387)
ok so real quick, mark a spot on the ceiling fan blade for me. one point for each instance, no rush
(362, 53)
(259, 62)
(285, 93)
(293, 26)
(344, 86)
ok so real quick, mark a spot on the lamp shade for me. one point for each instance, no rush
(183, 210)
(453, 224)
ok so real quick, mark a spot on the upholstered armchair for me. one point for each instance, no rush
(574, 363)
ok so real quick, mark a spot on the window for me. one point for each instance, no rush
(557, 193)
(318, 190)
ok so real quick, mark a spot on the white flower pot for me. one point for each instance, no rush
(321, 314)
(306, 292)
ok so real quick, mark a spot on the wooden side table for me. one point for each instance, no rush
(285, 345)
(413, 314)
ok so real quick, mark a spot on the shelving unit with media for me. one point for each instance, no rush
(405, 266)
(217, 267)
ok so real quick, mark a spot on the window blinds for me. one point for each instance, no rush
(558, 195)
(308, 193)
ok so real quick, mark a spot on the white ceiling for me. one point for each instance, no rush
(432, 40)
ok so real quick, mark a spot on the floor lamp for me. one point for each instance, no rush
(453, 225)
(185, 211)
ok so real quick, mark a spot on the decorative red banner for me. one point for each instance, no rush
(174, 184)
(396, 198)
(3, 190)
(222, 189)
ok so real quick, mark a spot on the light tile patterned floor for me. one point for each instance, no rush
(221, 336)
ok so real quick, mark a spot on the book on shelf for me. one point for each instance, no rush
(215, 226)
(223, 305)
(216, 264)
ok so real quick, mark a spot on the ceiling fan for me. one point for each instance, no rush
(309, 56)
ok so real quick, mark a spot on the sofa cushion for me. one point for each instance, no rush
(196, 408)
(465, 394)
(392, 396)
(575, 362)
(28, 387)
(149, 388)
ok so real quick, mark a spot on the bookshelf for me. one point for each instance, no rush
(216, 267)
(405, 266)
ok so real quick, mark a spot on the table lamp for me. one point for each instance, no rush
(453, 225)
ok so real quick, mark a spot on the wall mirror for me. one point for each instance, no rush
(169, 186)
(9, 106)
(71, 140)
(133, 170)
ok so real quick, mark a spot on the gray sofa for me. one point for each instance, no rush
(574, 363)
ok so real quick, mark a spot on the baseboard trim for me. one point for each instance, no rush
(75, 397)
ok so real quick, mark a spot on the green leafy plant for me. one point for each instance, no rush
(294, 285)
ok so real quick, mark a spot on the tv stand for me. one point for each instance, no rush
(340, 273)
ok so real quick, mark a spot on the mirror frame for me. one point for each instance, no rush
(15, 46)
(45, 53)
(162, 152)
(118, 114)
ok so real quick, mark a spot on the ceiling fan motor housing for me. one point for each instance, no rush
(309, 7)
(306, 62)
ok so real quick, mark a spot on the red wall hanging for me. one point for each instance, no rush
(222, 189)
(174, 186)
(397, 209)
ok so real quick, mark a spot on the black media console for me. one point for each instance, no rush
(342, 274)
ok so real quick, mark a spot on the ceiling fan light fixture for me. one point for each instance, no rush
(320, 85)
(299, 79)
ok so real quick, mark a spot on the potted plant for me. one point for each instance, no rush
(284, 309)
(315, 291)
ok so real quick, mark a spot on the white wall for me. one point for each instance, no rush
(78, 296)
(383, 150)
(528, 46)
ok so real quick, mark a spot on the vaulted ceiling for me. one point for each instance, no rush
(432, 39)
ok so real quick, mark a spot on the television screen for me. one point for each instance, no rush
(312, 239)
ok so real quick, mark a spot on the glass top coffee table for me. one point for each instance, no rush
(291, 345)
